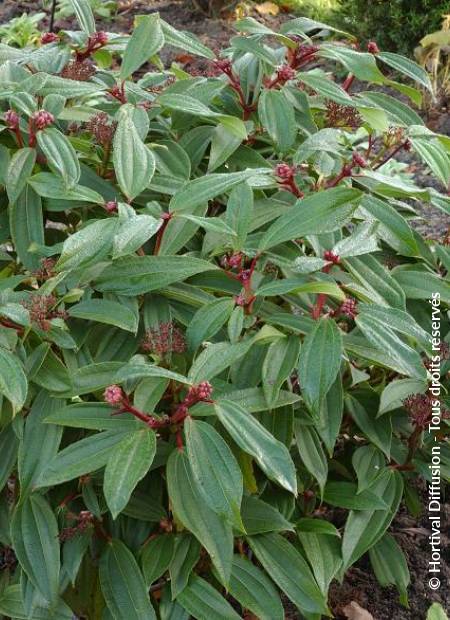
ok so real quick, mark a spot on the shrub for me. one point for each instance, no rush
(215, 323)
(396, 24)
(433, 54)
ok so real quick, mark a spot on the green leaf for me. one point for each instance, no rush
(207, 321)
(8, 448)
(60, 154)
(239, 213)
(365, 528)
(389, 565)
(422, 285)
(398, 321)
(19, 171)
(311, 453)
(346, 495)
(156, 557)
(185, 557)
(310, 525)
(185, 41)
(435, 156)
(394, 393)
(216, 358)
(128, 464)
(106, 311)
(368, 463)
(324, 555)
(79, 458)
(134, 163)
(364, 413)
(34, 533)
(297, 286)
(135, 275)
(277, 117)
(259, 517)
(215, 470)
(402, 357)
(280, 360)
(407, 67)
(94, 416)
(379, 285)
(84, 14)
(147, 39)
(223, 144)
(39, 443)
(90, 244)
(123, 585)
(254, 591)
(320, 360)
(27, 226)
(195, 514)
(133, 233)
(361, 64)
(49, 185)
(321, 83)
(133, 370)
(284, 564)
(204, 602)
(319, 213)
(436, 612)
(11, 605)
(13, 382)
(271, 455)
(205, 188)
(398, 113)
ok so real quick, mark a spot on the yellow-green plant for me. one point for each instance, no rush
(434, 55)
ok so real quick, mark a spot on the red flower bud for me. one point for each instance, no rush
(110, 206)
(113, 395)
(43, 119)
(349, 308)
(284, 171)
(49, 37)
(331, 257)
(224, 65)
(12, 119)
(285, 73)
(358, 160)
(372, 47)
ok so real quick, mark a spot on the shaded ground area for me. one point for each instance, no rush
(411, 533)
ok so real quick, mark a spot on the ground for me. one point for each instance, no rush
(411, 533)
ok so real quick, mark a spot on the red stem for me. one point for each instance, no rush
(321, 298)
(344, 173)
(391, 155)
(348, 82)
(159, 237)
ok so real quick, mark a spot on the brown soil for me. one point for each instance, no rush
(360, 584)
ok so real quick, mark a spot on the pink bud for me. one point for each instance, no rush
(113, 395)
(110, 206)
(331, 257)
(43, 119)
(284, 171)
(285, 73)
(373, 48)
(49, 37)
(358, 160)
(12, 119)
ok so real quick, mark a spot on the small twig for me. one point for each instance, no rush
(52, 16)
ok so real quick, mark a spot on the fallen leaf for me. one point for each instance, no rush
(353, 611)
(267, 8)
